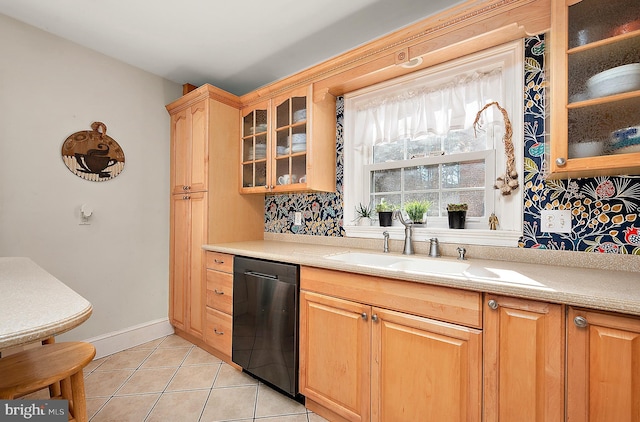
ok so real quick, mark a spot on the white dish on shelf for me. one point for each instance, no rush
(615, 81)
(586, 149)
(299, 138)
(296, 148)
(299, 115)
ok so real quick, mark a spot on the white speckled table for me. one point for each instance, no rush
(34, 304)
(602, 289)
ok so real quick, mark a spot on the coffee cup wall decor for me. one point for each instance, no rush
(92, 155)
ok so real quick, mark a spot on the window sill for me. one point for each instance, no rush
(465, 236)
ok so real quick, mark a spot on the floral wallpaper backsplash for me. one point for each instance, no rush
(605, 210)
(321, 212)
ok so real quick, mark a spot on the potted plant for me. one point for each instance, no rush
(385, 212)
(417, 210)
(364, 214)
(457, 214)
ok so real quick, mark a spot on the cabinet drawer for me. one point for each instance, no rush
(441, 303)
(220, 261)
(217, 332)
(220, 291)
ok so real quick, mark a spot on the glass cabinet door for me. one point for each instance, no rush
(291, 141)
(604, 63)
(255, 149)
(595, 48)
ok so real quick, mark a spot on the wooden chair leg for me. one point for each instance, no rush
(78, 398)
(54, 389)
(67, 392)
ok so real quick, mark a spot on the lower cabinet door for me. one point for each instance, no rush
(523, 360)
(424, 370)
(603, 367)
(335, 350)
(218, 330)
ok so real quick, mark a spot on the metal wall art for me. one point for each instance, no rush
(92, 155)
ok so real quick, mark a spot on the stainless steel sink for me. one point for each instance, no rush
(401, 263)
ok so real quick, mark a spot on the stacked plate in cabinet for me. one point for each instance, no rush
(615, 81)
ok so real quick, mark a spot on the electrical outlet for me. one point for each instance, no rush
(297, 218)
(555, 221)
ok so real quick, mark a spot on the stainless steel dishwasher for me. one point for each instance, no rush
(265, 321)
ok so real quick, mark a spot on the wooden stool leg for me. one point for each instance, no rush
(54, 389)
(67, 392)
(78, 395)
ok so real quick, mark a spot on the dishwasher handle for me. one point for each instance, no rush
(261, 275)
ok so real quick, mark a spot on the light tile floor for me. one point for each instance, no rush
(171, 380)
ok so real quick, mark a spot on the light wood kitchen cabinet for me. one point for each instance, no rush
(188, 233)
(603, 367)
(189, 141)
(206, 206)
(289, 143)
(388, 364)
(219, 303)
(523, 360)
(595, 76)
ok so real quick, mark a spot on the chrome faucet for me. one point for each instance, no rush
(434, 250)
(408, 246)
(385, 247)
(461, 252)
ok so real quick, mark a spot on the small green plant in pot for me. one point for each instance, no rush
(364, 214)
(417, 210)
(457, 214)
(385, 212)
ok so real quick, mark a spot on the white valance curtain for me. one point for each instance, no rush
(419, 111)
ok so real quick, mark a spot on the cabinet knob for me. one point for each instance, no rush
(493, 304)
(185, 188)
(374, 318)
(580, 321)
(364, 315)
(220, 333)
(218, 261)
(186, 197)
(216, 291)
(561, 162)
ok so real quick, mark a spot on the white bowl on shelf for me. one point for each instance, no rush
(299, 115)
(586, 149)
(615, 81)
(299, 138)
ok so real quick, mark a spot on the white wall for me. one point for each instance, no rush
(49, 89)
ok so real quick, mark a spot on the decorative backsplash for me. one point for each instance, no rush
(605, 210)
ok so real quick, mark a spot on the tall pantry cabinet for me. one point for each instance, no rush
(206, 206)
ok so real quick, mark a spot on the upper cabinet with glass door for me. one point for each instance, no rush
(254, 149)
(296, 150)
(595, 88)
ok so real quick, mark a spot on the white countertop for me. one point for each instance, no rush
(608, 290)
(34, 304)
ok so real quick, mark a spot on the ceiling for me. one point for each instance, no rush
(235, 45)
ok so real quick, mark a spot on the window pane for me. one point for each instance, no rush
(432, 197)
(388, 152)
(386, 181)
(470, 174)
(422, 147)
(465, 141)
(421, 178)
(475, 200)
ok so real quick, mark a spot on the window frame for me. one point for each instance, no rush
(509, 209)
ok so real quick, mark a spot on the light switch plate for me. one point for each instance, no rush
(297, 218)
(555, 221)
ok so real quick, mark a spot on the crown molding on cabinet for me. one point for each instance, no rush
(472, 26)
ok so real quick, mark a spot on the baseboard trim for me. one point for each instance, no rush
(117, 341)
